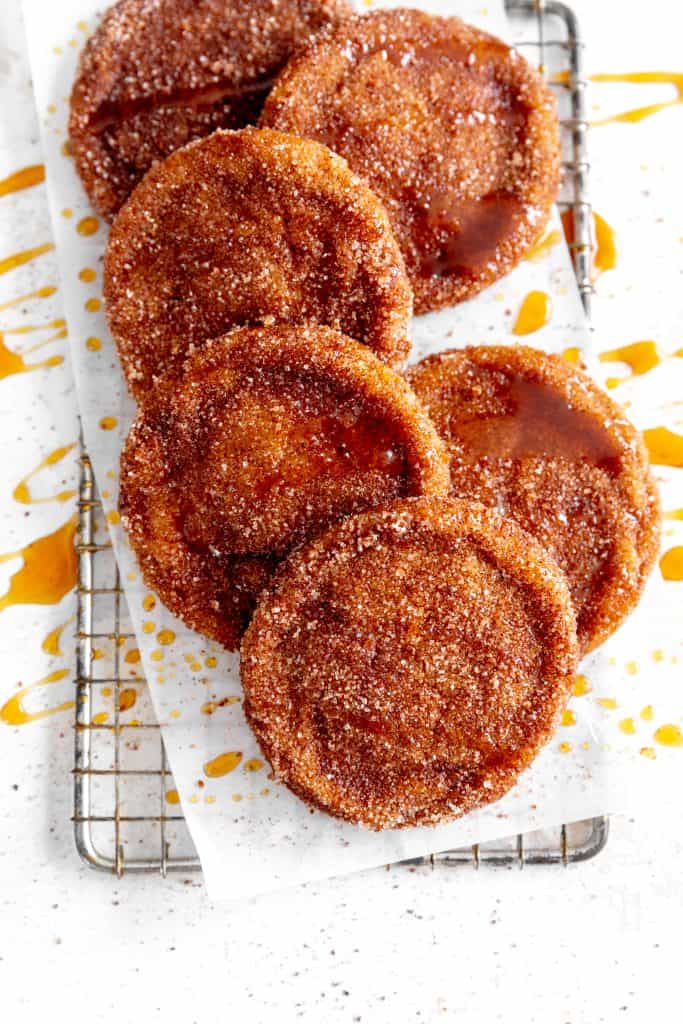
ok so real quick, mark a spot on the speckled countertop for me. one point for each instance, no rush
(597, 942)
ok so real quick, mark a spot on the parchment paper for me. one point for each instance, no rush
(252, 835)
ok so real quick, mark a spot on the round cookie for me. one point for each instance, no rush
(244, 228)
(452, 129)
(270, 435)
(536, 438)
(157, 74)
(404, 668)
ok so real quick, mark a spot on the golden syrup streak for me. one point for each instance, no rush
(22, 492)
(25, 178)
(636, 114)
(13, 711)
(48, 569)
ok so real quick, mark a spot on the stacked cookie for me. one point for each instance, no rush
(410, 563)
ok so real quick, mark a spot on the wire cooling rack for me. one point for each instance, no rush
(123, 819)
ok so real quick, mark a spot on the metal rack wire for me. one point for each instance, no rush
(122, 819)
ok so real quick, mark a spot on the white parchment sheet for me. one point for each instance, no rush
(252, 835)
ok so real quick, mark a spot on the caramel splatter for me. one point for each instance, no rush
(48, 571)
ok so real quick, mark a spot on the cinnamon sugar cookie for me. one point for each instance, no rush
(244, 228)
(269, 436)
(406, 666)
(536, 438)
(157, 74)
(452, 129)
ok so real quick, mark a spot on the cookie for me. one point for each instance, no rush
(406, 666)
(270, 435)
(245, 228)
(537, 439)
(453, 130)
(157, 74)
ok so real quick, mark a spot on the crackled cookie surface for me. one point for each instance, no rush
(245, 228)
(157, 74)
(270, 435)
(406, 666)
(535, 438)
(454, 131)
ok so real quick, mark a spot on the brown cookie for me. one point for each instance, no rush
(157, 74)
(244, 228)
(407, 665)
(270, 435)
(452, 129)
(537, 439)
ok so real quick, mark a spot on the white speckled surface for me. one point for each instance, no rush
(598, 942)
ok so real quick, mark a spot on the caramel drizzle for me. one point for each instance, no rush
(18, 259)
(25, 178)
(13, 711)
(637, 114)
(22, 492)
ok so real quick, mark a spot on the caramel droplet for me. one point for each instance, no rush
(534, 313)
(581, 686)
(669, 735)
(127, 698)
(671, 564)
(87, 226)
(222, 764)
